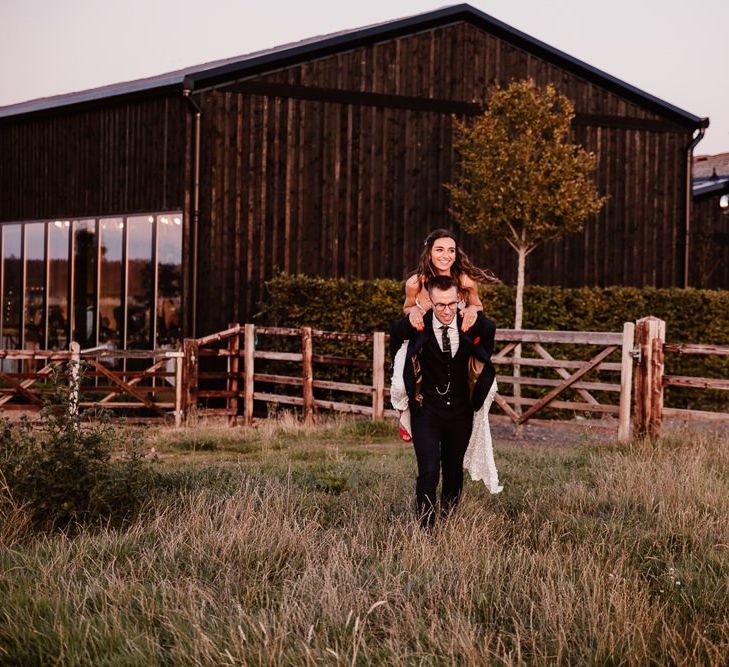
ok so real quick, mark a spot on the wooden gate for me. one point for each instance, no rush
(525, 352)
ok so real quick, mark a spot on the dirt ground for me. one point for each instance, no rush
(546, 432)
(584, 431)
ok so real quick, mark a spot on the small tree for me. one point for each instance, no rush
(520, 179)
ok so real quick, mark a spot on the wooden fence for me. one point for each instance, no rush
(243, 380)
(115, 380)
(237, 346)
(223, 374)
(651, 379)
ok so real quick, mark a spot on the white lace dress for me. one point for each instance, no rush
(479, 458)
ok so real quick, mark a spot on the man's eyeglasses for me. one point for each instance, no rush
(440, 307)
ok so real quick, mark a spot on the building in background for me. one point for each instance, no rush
(710, 222)
(143, 211)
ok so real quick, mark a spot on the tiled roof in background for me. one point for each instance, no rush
(706, 165)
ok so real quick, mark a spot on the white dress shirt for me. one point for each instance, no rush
(452, 334)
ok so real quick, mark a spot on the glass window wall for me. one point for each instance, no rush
(111, 315)
(35, 286)
(113, 281)
(58, 283)
(85, 255)
(12, 274)
(140, 281)
(169, 280)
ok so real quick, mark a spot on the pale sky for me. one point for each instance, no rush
(673, 49)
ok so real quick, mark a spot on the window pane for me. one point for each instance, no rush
(12, 286)
(169, 253)
(58, 284)
(35, 285)
(84, 283)
(140, 281)
(110, 289)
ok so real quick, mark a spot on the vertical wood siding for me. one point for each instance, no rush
(116, 159)
(312, 187)
(351, 190)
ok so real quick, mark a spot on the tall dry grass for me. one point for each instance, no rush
(288, 552)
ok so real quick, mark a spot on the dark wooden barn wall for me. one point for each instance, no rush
(456, 62)
(709, 247)
(637, 239)
(351, 190)
(312, 187)
(120, 158)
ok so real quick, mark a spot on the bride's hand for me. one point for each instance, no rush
(469, 315)
(416, 319)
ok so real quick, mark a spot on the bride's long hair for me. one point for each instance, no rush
(460, 267)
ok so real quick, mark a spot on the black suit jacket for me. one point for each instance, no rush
(478, 341)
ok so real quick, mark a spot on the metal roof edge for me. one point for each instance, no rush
(356, 37)
(704, 188)
(88, 98)
(203, 76)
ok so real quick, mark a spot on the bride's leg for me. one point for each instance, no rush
(398, 395)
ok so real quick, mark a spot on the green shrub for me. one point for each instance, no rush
(63, 473)
(691, 315)
(363, 306)
(359, 306)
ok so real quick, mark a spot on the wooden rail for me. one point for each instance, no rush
(243, 381)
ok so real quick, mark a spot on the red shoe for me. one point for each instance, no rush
(404, 435)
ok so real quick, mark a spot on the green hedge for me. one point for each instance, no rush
(691, 315)
(360, 306)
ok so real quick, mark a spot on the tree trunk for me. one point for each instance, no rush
(519, 315)
(518, 319)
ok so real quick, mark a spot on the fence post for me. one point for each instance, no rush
(657, 372)
(232, 379)
(179, 407)
(378, 375)
(249, 334)
(189, 390)
(626, 381)
(307, 374)
(650, 335)
(73, 378)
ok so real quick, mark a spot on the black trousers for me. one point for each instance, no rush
(440, 439)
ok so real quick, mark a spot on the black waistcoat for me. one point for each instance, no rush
(445, 378)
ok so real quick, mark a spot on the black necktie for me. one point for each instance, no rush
(445, 340)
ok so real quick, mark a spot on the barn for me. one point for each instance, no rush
(141, 212)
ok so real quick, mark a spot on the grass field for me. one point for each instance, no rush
(283, 545)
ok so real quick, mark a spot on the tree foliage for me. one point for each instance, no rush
(521, 179)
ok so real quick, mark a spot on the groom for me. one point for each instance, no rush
(447, 375)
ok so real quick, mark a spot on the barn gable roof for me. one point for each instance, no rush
(222, 71)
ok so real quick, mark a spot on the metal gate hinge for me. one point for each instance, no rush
(637, 354)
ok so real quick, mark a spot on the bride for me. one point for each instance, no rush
(442, 256)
